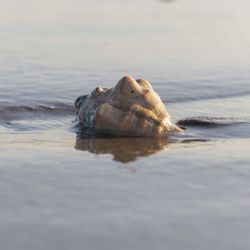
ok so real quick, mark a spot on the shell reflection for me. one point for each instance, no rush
(123, 149)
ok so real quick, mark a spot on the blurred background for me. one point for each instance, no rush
(68, 46)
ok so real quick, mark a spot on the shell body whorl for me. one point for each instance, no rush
(131, 108)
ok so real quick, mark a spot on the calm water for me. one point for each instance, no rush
(58, 191)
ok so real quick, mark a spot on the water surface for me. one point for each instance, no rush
(60, 190)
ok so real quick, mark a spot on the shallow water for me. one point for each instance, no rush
(59, 190)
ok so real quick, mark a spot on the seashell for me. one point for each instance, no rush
(131, 108)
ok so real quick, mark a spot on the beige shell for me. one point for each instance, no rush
(131, 108)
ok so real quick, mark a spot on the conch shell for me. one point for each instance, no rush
(131, 108)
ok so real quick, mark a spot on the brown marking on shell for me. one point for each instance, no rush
(146, 84)
(107, 117)
(144, 126)
(128, 122)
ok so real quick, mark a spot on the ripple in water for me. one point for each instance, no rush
(27, 118)
(14, 112)
(208, 122)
